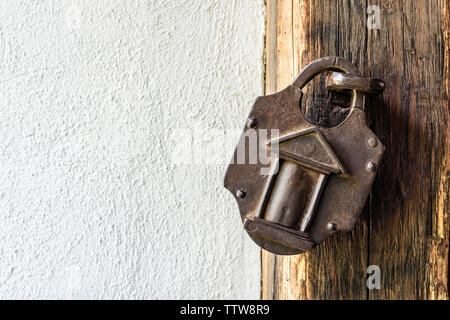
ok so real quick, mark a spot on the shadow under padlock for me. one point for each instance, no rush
(321, 177)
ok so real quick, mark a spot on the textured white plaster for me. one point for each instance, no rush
(92, 202)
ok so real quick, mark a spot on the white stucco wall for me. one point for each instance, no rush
(94, 202)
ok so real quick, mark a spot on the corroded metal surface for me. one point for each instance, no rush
(320, 178)
(342, 81)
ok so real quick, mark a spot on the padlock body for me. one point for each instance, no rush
(314, 191)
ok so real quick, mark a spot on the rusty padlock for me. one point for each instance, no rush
(318, 179)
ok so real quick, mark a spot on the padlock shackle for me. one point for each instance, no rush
(350, 79)
(338, 81)
(321, 65)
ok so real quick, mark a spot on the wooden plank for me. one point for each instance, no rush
(267, 258)
(439, 256)
(284, 76)
(405, 228)
(409, 222)
(322, 273)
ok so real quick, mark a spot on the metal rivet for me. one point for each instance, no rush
(253, 227)
(241, 193)
(331, 227)
(371, 167)
(252, 123)
(372, 142)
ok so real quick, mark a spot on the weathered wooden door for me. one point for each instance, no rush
(404, 229)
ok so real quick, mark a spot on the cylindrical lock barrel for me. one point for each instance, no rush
(294, 196)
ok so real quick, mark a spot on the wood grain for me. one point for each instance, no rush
(405, 227)
(267, 258)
